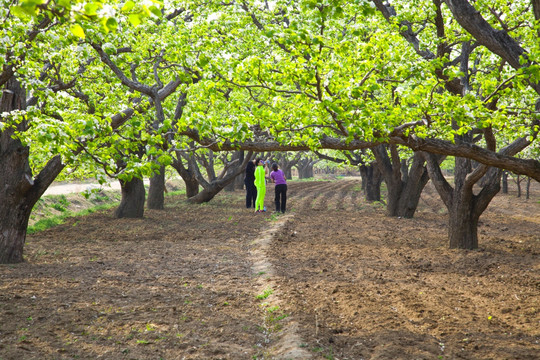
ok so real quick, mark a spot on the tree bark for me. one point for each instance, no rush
(286, 164)
(288, 173)
(212, 188)
(19, 189)
(238, 182)
(505, 182)
(529, 167)
(305, 168)
(209, 192)
(192, 187)
(404, 186)
(371, 182)
(464, 207)
(187, 174)
(411, 192)
(156, 191)
(463, 225)
(133, 196)
(528, 188)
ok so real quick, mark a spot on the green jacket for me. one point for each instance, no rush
(259, 176)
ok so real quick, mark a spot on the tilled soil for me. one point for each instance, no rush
(343, 280)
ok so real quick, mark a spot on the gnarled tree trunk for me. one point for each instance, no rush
(133, 196)
(286, 164)
(505, 182)
(19, 191)
(156, 191)
(464, 207)
(192, 187)
(404, 185)
(238, 182)
(371, 182)
(187, 174)
(305, 167)
(218, 183)
(209, 192)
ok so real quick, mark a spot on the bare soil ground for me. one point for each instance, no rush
(332, 279)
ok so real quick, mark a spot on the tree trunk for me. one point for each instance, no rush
(463, 222)
(13, 231)
(415, 183)
(187, 174)
(288, 173)
(132, 204)
(192, 187)
(211, 189)
(286, 164)
(208, 193)
(528, 189)
(404, 186)
(505, 182)
(464, 208)
(19, 190)
(390, 169)
(238, 182)
(371, 182)
(305, 168)
(518, 183)
(156, 191)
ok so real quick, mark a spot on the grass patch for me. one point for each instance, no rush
(56, 220)
(175, 193)
(53, 210)
(265, 294)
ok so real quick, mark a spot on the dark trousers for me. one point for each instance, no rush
(251, 194)
(281, 197)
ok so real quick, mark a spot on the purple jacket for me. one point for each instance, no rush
(278, 177)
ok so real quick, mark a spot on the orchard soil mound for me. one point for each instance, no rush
(334, 278)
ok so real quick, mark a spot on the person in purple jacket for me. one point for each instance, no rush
(278, 177)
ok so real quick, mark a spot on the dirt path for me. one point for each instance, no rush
(333, 279)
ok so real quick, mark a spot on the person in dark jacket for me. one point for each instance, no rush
(249, 181)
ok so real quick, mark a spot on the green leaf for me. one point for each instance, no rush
(109, 48)
(135, 19)
(165, 159)
(77, 30)
(111, 24)
(21, 13)
(128, 6)
(203, 61)
(154, 10)
(65, 3)
(91, 9)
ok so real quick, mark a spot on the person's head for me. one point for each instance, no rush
(259, 162)
(274, 166)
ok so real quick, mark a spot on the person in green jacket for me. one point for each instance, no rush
(260, 184)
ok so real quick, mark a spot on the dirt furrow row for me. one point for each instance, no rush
(305, 198)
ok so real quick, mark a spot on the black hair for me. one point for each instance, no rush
(258, 161)
(274, 166)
